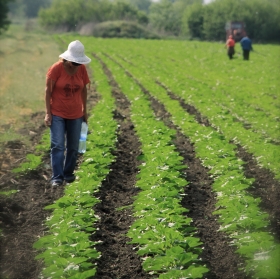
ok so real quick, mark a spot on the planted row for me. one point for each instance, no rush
(185, 76)
(198, 94)
(248, 231)
(67, 250)
(239, 213)
(163, 235)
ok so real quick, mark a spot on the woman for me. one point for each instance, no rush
(230, 47)
(65, 98)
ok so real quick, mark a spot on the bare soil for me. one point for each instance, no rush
(22, 215)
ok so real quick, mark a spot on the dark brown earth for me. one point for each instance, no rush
(22, 215)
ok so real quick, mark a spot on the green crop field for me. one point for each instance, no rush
(204, 130)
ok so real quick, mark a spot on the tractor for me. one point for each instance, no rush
(236, 29)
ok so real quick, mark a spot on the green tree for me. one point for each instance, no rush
(16, 8)
(71, 13)
(261, 18)
(32, 7)
(214, 20)
(4, 21)
(192, 21)
(208, 21)
(163, 17)
(167, 15)
(143, 5)
(125, 11)
(27, 8)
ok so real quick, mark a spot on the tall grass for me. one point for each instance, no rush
(26, 53)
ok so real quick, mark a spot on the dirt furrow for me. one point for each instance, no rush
(265, 186)
(22, 215)
(217, 254)
(119, 259)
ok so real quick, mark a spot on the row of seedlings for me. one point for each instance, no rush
(255, 87)
(34, 160)
(239, 213)
(259, 95)
(66, 249)
(262, 121)
(165, 69)
(165, 238)
(266, 153)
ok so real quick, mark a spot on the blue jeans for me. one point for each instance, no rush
(65, 135)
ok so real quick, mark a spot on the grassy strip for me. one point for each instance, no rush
(164, 236)
(34, 160)
(24, 61)
(68, 252)
(239, 213)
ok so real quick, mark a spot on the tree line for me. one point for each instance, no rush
(190, 19)
(261, 18)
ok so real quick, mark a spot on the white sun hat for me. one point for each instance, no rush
(75, 53)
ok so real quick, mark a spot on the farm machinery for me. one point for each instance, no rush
(236, 29)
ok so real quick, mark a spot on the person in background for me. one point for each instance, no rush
(246, 45)
(230, 43)
(65, 100)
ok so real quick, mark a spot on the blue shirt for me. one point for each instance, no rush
(246, 43)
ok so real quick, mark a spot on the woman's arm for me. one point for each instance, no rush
(48, 93)
(84, 99)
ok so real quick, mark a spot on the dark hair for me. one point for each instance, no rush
(73, 63)
(76, 64)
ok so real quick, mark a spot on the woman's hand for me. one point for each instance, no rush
(48, 119)
(85, 117)
(84, 100)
